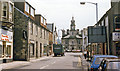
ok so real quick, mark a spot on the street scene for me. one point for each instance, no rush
(65, 35)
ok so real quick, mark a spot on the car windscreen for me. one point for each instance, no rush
(99, 59)
(113, 65)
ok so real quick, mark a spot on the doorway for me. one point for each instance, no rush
(118, 49)
(40, 49)
(36, 49)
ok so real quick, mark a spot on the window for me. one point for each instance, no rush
(31, 29)
(11, 8)
(8, 50)
(26, 7)
(42, 20)
(32, 12)
(66, 41)
(72, 33)
(36, 30)
(11, 12)
(78, 41)
(117, 23)
(41, 32)
(32, 50)
(4, 10)
(72, 42)
(44, 33)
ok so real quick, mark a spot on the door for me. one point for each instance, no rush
(118, 48)
(36, 49)
(40, 49)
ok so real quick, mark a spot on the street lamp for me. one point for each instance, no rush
(83, 3)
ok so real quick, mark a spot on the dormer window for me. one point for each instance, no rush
(32, 12)
(42, 20)
(26, 7)
(11, 8)
(11, 12)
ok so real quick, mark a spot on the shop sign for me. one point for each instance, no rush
(116, 36)
(4, 38)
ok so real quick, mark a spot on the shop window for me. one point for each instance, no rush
(4, 48)
(4, 10)
(26, 7)
(0, 50)
(8, 50)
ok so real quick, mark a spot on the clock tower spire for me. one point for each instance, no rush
(72, 24)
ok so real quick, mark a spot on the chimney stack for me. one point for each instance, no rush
(113, 2)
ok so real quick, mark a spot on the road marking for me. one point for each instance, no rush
(53, 62)
(44, 67)
(47, 65)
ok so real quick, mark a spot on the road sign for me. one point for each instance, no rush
(96, 34)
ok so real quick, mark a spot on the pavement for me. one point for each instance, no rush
(85, 65)
(15, 64)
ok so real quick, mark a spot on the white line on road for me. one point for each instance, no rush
(47, 65)
(44, 67)
(53, 62)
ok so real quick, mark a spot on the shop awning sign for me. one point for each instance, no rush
(4, 37)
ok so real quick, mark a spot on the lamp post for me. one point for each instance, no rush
(83, 3)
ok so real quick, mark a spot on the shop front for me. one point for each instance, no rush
(6, 45)
(116, 42)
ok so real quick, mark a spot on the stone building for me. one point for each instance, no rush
(6, 32)
(72, 40)
(52, 35)
(30, 37)
(111, 20)
(84, 33)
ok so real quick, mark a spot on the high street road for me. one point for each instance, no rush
(69, 61)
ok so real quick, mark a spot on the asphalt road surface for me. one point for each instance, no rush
(69, 61)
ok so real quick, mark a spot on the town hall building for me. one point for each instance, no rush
(72, 38)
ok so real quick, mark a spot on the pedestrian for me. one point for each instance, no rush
(85, 54)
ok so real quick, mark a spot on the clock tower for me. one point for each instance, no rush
(72, 26)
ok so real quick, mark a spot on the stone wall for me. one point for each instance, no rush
(20, 49)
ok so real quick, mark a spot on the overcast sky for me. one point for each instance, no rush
(60, 12)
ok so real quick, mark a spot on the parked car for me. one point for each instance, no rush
(96, 60)
(110, 64)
